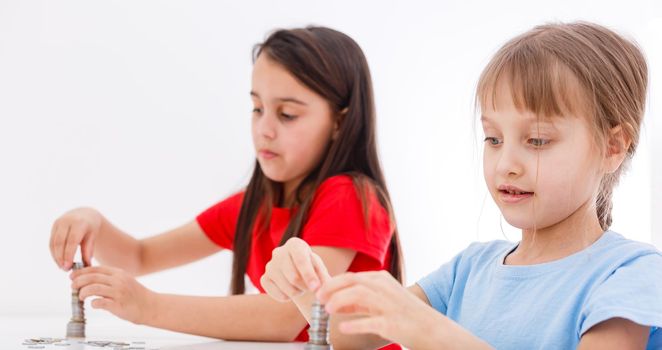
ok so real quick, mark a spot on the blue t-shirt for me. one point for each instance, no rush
(550, 305)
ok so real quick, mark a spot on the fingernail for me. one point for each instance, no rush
(313, 284)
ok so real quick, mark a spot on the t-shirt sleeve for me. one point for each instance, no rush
(336, 219)
(633, 292)
(219, 221)
(438, 285)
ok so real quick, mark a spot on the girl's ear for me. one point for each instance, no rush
(339, 120)
(618, 144)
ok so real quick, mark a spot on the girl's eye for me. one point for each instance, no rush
(288, 117)
(537, 142)
(257, 110)
(493, 141)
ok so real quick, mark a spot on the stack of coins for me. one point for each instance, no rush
(76, 326)
(318, 333)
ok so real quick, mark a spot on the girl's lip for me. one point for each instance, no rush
(511, 188)
(513, 194)
(266, 154)
(508, 197)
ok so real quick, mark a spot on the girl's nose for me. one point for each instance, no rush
(510, 162)
(266, 125)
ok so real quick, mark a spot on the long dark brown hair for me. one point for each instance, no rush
(332, 65)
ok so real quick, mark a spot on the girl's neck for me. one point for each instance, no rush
(571, 235)
(289, 198)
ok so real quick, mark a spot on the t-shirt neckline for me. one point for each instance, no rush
(522, 271)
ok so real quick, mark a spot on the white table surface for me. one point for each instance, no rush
(15, 329)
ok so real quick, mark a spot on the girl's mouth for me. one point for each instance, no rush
(510, 194)
(264, 154)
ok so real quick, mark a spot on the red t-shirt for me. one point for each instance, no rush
(335, 219)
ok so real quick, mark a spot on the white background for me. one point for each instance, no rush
(141, 109)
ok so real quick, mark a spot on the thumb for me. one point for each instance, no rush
(87, 250)
(320, 268)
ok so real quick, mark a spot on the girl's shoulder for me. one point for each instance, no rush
(346, 187)
(614, 247)
(337, 180)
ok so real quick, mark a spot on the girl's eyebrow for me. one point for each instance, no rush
(485, 120)
(529, 120)
(283, 99)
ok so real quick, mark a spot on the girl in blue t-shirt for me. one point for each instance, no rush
(561, 108)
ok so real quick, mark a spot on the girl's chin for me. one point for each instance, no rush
(275, 176)
(518, 221)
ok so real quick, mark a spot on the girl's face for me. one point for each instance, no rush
(291, 126)
(551, 164)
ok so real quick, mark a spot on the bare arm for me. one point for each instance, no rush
(238, 317)
(87, 228)
(615, 333)
(176, 247)
(241, 317)
(371, 307)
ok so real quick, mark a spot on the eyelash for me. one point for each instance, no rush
(535, 142)
(491, 141)
(287, 117)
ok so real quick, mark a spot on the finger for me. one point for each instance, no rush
(355, 299)
(284, 285)
(300, 271)
(107, 304)
(272, 290)
(74, 237)
(335, 284)
(66, 264)
(376, 280)
(103, 303)
(59, 239)
(91, 278)
(300, 256)
(93, 269)
(52, 244)
(87, 249)
(368, 325)
(96, 289)
(320, 268)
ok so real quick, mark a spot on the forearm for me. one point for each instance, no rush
(240, 317)
(431, 331)
(451, 338)
(117, 249)
(443, 333)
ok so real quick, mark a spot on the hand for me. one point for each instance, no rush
(294, 269)
(76, 227)
(118, 292)
(388, 309)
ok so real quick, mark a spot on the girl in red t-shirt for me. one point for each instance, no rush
(317, 176)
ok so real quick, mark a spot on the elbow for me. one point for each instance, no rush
(137, 267)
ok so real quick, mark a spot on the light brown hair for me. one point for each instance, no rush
(575, 68)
